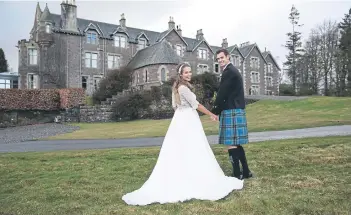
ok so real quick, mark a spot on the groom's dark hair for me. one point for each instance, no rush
(225, 52)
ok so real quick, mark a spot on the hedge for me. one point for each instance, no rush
(71, 97)
(40, 99)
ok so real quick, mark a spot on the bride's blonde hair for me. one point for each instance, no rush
(180, 81)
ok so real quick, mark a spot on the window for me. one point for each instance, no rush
(202, 68)
(120, 41)
(113, 61)
(216, 68)
(255, 77)
(91, 60)
(85, 82)
(5, 84)
(269, 68)
(97, 80)
(15, 84)
(269, 81)
(202, 54)
(146, 76)
(269, 92)
(33, 56)
(48, 28)
(32, 81)
(141, 44)
(235, 60)
(179, 50)
(91, 38)
(255, 90)
(163, 75)
(254, 63)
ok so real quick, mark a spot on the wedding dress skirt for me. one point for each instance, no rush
(186, 167)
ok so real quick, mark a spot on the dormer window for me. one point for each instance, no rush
(48, 28)
(91, 38)
(202, 54)
(120, 41)
(235, 60)
(141, 44)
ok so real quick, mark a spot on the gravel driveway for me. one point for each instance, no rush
(32, 132)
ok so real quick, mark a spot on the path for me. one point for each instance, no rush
(53, 145)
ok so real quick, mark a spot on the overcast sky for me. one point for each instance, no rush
(264, 22)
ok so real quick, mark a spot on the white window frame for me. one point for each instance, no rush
(120, 41)
(202, 68)
(255, 77)
(255, 89)
(269, 81)
(254, 62)
(89, 61)
(235, 59)
(32, 84)
(5, 84)
(32, 56)
(48, 28)
(96, 81)
(92, 37)
(141, 43)
(179, 50)
(115, 62)
(202, 53)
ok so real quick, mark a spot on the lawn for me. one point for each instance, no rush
(262, 116)
(304, 176)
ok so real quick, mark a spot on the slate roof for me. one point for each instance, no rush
(158, 53)
(107, 30)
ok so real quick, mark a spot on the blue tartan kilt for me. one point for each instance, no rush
(233, 127)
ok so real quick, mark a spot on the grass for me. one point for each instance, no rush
(303, 176)
(262, 116)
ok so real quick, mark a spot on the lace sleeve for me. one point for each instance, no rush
(174, 105)
(188, 96)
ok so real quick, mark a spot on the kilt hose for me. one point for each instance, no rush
(233, 127)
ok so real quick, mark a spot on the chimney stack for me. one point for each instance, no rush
(69, 16)
(179, 30)
(225, 43)
(122, 21)
(199, 35)
(171, 23)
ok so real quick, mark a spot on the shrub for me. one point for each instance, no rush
(114, 82)
(71, 97)
(131, 106)
(29, 99)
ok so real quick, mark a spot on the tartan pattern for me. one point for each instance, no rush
(233, 127)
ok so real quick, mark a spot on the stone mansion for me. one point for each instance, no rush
(68, 52)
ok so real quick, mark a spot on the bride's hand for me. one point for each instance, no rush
(214, 117)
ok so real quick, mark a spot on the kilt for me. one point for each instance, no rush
(233, 127)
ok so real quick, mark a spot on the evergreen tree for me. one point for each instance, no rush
(345, 47)
(294, 45)
(3, 62)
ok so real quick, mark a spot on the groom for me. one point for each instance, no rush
(230, 106)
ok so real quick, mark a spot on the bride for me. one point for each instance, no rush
(186, 167)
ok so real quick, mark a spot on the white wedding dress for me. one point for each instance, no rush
(186, 167)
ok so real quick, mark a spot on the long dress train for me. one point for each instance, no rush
(186, 167)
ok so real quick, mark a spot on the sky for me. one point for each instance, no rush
(264, 22)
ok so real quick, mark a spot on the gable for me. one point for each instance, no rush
(270, 59)
(94, 27)
(256, 52)
(174, 37)
(203, 44)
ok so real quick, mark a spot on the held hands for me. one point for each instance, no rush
(214, 117)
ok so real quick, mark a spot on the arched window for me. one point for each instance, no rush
(163, 74)
(47, 28)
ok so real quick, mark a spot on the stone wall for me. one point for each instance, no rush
(19, 118)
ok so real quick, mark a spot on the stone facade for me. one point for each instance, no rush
(65, 51)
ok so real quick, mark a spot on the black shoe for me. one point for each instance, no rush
(250, 175)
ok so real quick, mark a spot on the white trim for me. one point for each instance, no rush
(208, 46)
(120, 32)
(143, 34)
(92, 26)
(176, 33)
